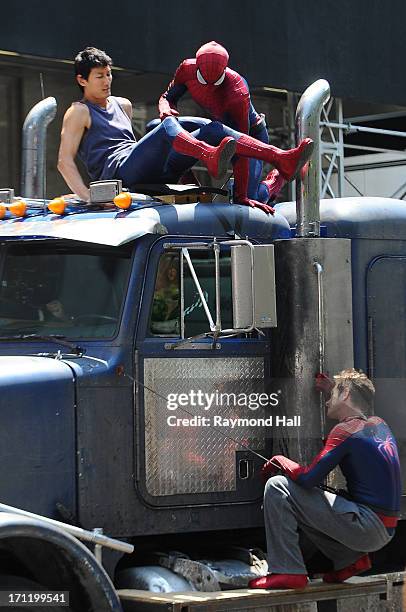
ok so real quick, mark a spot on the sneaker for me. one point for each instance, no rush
(274, 182)
(361, 565)
(279, 581)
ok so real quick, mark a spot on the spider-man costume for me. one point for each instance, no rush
(366, 452)
(225, 94)
(109, 149)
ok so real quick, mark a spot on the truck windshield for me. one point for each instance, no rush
(71, 289)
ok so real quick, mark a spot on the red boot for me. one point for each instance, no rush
(279, 581)
(287, 162)
(274, 182)
(241, 170)
(361, 565)
(216, 159)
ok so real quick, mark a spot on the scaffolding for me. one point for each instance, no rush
(332, 149)
(336, 169)
(334, 172)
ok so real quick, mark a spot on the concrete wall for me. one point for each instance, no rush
(380, 174)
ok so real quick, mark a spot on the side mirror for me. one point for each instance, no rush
(253, 286)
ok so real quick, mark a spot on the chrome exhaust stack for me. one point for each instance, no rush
(33, 178)
(314, 302)
(308, 188)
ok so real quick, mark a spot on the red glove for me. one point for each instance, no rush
(241, 171)
(279, 463)
(324, 384)
(255, 204)
(269, 469)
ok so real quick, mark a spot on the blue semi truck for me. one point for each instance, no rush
(118, 327)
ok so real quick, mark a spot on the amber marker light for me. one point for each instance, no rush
(3, 211)
(18, 209)
(123, 200)
(57, 206)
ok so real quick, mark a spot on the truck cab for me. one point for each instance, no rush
(136, 399)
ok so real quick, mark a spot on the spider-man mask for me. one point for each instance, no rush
(211, 62)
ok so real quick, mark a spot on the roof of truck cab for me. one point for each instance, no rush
(357, 217)
(114, 228)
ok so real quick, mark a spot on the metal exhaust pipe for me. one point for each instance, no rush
(33, 180)
(308, 188)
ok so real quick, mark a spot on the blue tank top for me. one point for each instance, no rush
(108, 141)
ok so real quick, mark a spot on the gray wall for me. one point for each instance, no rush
(358, 46)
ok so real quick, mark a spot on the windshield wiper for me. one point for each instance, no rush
(57, 338)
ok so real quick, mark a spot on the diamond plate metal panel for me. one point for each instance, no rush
(200, 458)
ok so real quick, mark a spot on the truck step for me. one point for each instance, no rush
(252, 599)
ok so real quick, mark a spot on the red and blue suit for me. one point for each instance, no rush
(366, 452)
(225, 95)
(344, 527)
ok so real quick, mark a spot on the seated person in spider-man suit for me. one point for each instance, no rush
(343, 528)
(225, 95)
(98, 129)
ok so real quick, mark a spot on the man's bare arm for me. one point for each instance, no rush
(126, 106)
(75, 121)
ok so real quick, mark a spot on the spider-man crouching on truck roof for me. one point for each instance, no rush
(225, 95)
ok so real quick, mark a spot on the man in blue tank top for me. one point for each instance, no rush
(98, 129)
(344, 528)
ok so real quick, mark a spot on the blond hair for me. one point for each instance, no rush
(362, 390)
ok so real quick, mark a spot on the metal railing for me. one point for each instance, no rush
(94, 537)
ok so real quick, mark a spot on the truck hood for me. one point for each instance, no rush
(112, 228)
(21, 373)
(37, 434)
(99, 228)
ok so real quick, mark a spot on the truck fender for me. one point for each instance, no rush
(32, 549)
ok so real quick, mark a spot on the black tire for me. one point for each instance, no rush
(19, 583)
